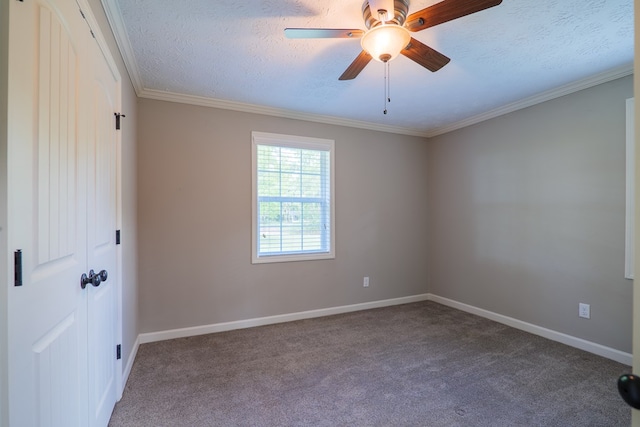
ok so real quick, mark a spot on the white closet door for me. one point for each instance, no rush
(61, 218)
(101, 226)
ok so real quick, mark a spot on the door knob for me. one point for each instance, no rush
(103, 275)
(93, 278)
(629, 388)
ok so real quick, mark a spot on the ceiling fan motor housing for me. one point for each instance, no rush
(388, 35)
(399, 14)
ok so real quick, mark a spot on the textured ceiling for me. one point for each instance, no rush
(234, 54)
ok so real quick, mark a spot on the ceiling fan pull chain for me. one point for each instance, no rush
(385, 89)
(386, 86)
(388, 81)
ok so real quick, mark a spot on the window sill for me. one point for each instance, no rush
(268, 259)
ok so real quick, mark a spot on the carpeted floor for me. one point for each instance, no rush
(421, 364)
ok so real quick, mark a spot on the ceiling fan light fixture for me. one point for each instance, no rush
(385, 42)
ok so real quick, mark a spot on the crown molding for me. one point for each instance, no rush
(114, 17)
(576, 86)
(277, 112)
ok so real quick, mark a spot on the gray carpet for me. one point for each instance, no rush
(420, 364)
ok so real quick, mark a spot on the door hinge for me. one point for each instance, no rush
(17, 268)
(118, 115)
(117, 237)
(118, 352)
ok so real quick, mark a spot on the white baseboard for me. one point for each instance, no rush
(591, 347)
(270, 320)
(127, 369)
(600, 350)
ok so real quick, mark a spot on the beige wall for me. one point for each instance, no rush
(194, 219)
(527, 215)
(128, 197)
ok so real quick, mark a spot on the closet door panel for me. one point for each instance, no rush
(101, 230)
(47, 215)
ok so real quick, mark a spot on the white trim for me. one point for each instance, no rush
(429, 133)
(99, 38)
(629, 190)
(119, 261)
(270, 320)
(276, 112)
(567, 89)
(5, 278)
(591, 347)
(296, 142)
(129, 366)
(114, 17)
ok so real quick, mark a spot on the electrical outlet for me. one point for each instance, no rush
(584, 310)
(365, 282)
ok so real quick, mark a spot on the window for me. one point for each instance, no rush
(292, 192)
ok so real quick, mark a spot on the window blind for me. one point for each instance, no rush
(293, 197)
(293, 200)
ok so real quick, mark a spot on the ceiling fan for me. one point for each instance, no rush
(388, 31)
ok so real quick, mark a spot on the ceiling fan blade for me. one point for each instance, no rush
(424, 55)
(322, 33)
(444, 11)
(356, 66)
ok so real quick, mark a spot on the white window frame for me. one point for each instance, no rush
(263, 138)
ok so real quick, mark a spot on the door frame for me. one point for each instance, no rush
(4, 241)
(635, 414)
